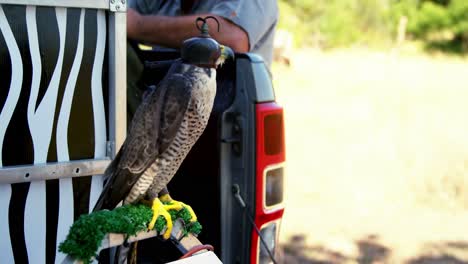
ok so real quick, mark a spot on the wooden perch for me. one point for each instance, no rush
(177, 236)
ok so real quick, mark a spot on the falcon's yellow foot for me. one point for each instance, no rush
(159, 210)
(170, 204)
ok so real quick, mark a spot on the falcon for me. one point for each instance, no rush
(166, 125)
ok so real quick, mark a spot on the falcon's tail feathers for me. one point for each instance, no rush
(102, 202)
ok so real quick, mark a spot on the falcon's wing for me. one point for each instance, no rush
(153, 128)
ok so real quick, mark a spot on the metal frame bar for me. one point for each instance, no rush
(53, 170)
(117, 79)
(96, 4)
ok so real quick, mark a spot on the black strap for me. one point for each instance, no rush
(236, 192)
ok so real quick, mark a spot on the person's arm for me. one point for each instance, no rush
(172, 31)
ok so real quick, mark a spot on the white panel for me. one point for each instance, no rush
(5, 117)
(98, 106)
(40, 125)
(65, 218)
(202, 258)
(36, 62)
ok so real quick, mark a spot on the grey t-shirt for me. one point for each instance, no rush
(257, 17)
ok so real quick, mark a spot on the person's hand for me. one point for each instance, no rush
(134, 23)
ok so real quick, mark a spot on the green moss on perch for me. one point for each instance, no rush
(86, 234)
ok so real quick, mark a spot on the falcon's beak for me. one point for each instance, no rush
(226, 52)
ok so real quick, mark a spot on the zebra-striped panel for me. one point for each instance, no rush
(9, 104)
(52, 109)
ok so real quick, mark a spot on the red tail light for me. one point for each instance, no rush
(269, 206)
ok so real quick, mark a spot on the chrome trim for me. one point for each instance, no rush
(278, 205)
(94, 4)
(49, 171)
(278, 226)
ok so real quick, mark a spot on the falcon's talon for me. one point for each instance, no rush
(171, 204)
(159, 210)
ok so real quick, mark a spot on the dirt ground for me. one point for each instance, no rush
(377, 158)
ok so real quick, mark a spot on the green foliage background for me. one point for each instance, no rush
(336, 23)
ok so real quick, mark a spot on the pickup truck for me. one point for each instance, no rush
(63, 118)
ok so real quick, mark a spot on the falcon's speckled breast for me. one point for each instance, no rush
(161, 171)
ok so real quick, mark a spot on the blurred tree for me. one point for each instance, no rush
(458, 11)
(333, 23)
(442, 24)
